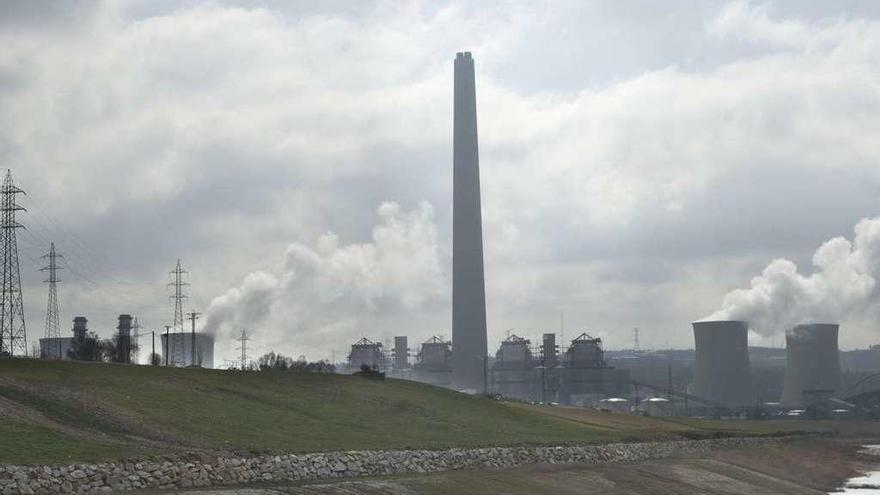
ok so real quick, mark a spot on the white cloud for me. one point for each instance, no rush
(219, 134)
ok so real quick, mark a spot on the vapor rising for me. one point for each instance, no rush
(327, 293)
(841, 286)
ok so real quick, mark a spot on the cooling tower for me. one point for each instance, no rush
(721, 370)
(812, 363)
(183, 340)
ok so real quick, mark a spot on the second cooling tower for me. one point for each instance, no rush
(721, 371)
(812, 363)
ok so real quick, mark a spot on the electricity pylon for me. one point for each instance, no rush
(53, 325)
(13, 337)
(178, 275)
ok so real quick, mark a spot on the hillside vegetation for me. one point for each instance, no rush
(68, 411)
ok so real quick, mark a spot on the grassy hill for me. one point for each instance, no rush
(65, 411)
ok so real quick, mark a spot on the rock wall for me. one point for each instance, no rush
(199, 470)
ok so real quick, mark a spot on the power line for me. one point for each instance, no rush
(79, 268)
(77, 246)
(84, 265)
(12, 326)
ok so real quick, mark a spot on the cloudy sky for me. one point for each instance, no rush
(639, 160)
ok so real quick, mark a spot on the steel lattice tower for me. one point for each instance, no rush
(13, 337)
(53, 324)
(178, 275)
(243, 348)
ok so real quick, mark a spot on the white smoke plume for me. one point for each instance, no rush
(328, 294)
(842, 286)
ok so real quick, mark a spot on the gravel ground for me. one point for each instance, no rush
(798, 467)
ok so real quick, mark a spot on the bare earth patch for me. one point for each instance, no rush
(806, 466)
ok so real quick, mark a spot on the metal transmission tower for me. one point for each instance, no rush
(243, 347)
(193, 316)
(136, 335)
(176, 348)
(636, 348)
(13, 337)
(53, 325)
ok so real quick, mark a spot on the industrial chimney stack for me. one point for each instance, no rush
(80, 328)
(469, 347)
(123, 340)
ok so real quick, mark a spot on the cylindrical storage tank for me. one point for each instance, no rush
(812, 362)
(721, 368)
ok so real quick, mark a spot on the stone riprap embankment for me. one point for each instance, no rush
(199, 470)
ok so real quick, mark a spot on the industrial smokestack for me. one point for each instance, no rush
(469, 346)
(721, 371)
(123, 340)
(401, 353)
(812, 363)
(80, 328)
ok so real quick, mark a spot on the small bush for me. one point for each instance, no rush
(372, 373)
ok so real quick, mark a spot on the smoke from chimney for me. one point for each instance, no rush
(842, 285)
(329, 293)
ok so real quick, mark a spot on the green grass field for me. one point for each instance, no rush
(65, 411)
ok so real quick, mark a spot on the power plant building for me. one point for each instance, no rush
(513, 373)
(812, 364)
(469, 340)
(180, 352)
(367, 353)
(722, 377)
(434, 364)
(55, 347)
(585, 377)
(59, 347)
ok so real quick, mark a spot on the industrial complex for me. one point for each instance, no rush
(720, 377)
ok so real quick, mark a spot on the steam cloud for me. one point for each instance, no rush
(327, 293)
(841, 286)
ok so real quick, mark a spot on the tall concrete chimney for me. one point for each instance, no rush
(812, 363)
(80, 328)
(401, 353)
(469, 348)
(721, 370)
(124, 338)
